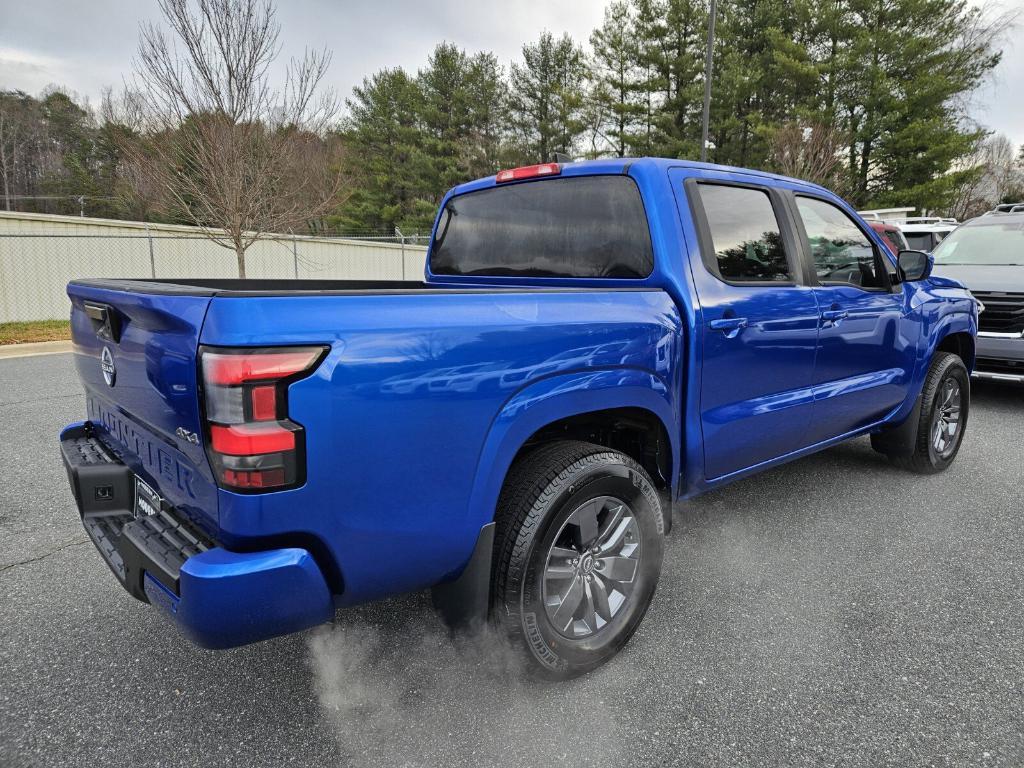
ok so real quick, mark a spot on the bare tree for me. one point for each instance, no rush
(987, 177)
(18, 132)
(239, 157)
(8, 144)
(1000, 159)
(813, 152)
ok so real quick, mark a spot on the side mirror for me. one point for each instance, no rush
(915, 265)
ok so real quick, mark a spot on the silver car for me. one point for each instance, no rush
(987, 255)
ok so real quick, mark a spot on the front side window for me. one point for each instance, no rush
(842, 253)
(745, 234)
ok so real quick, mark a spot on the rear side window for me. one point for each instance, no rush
(586, 226)
(745, 234)
(842, 253)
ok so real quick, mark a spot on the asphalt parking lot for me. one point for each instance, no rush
(834, 611)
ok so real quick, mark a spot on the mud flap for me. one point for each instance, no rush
(463, 602)
(900, 440)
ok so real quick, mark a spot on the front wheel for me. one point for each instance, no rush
(580, 539)
(945, 405)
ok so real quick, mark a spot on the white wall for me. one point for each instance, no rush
(40, 253)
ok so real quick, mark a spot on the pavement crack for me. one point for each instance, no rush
(61, 548)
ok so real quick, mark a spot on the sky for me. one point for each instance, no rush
(87, 45)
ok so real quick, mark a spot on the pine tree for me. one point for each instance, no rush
(754, 95)
(922, 56)
(385, 151)
(673, 37)
(484, 146)
(444, 115)
(546, 97)
(617, 81)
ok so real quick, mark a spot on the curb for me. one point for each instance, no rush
(34, 349)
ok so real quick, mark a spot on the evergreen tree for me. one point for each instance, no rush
(617, 82)
(908, 120)
(672, 36)
(753, 93)
(463, 115)
(385, 153)
(445, 115)
(484, 145)
(546, 97)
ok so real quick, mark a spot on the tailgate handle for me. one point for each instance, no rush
(105, 321)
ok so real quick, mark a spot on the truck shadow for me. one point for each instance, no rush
(996, 393)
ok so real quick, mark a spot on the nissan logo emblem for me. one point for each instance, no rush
(107, 366)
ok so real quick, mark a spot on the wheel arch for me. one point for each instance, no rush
(960, 343)
(631, 407)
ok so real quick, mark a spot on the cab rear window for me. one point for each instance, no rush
(583, 226)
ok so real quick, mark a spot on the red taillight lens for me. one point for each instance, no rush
(251, 439)
(255, 478)
(264, 402)
(528, 172)
(253, 445)
(241, 367)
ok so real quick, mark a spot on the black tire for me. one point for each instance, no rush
(947, 370)
(543, 491)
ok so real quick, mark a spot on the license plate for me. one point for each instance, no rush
(147, 501)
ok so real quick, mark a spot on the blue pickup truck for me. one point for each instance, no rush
(592, 342)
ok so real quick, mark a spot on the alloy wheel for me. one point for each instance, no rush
(591, 567)
(946, 421)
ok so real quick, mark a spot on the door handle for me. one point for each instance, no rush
(730, 325)
(835, 315)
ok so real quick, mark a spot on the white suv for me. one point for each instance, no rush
(923, 233)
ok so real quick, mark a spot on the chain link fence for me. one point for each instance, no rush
(35, 266)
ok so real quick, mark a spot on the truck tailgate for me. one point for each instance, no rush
(136, 356)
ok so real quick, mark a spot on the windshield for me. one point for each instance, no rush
(583, 226)
(986, 242)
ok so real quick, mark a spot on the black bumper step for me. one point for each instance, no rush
(104, 489)
(105, 532)
(163, 544)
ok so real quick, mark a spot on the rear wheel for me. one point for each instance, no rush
(580, 539)
(945, 405)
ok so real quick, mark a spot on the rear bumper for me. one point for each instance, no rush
(218, 598)
(1000, 358)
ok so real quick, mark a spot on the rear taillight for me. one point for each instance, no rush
(251, 442)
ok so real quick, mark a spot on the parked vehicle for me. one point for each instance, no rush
(892, 237)
(987, 255)
(1006, 208)
(924, 233)
(592, 342)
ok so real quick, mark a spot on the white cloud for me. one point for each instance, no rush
(25, 70)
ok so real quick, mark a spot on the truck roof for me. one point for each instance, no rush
(623, 164)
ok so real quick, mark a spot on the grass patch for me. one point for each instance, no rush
(34, 330)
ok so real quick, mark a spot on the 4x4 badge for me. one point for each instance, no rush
(107, 366)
